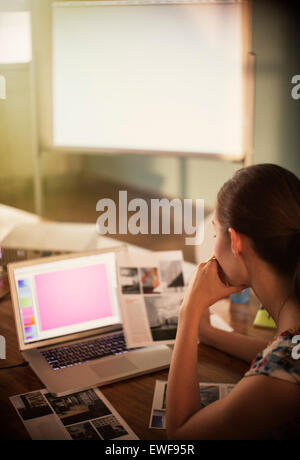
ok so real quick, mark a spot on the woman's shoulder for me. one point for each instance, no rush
(280, 359)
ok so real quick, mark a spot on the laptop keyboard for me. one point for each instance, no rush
(77, 353)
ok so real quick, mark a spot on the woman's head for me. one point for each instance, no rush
(260, 209)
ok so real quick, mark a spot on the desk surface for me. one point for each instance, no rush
(132, 398)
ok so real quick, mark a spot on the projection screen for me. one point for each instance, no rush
(148, 77)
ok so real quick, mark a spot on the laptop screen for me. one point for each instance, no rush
(67, 296)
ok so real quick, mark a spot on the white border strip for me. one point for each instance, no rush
(140, 2)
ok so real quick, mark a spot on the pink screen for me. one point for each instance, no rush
(73, 296)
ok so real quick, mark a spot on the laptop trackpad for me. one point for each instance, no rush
(113, 367)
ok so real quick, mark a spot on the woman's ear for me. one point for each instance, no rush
(236, 243)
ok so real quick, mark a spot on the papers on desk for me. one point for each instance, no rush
(209, 393)
(86, 415)
(151, 288)
(10, 217)
(52, 236)
(215, 319)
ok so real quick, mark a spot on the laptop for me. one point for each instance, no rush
(69, 325)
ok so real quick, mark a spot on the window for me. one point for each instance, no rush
(15, 37)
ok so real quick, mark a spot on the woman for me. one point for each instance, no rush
(257, 227)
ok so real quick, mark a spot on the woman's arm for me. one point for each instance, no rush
(183, 396)
(254, 407)
(252, 410)
(241, 346)
(183, 380)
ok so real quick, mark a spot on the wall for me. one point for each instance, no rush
(53, 164)
(16, 152)
(15, 139)
(276, 116)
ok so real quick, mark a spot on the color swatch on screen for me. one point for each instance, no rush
(28, 316)
(73, 296)
(26, 305)
(25, 302)
(30, 332)
(23, 283)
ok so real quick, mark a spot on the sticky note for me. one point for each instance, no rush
(263, 319)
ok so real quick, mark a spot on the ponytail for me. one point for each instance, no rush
(263, 202)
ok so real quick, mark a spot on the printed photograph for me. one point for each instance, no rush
(209, 394)
(230, 388)
(158, 419)
(78, 407)
(129, 280)
(164, 398)
(171, 272)
(162, 312)
(150, 280)
(83, 432)
(109, 427)
(33, 405)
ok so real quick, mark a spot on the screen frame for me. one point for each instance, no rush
(15, 301)
(247, 98)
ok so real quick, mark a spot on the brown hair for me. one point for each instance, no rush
(263, 202)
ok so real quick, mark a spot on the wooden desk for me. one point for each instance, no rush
(132, 398)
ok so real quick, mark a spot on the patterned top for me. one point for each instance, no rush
(277, 359)
(281, 360)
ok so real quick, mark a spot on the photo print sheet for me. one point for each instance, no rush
(209, 392)
(151, 288)
(85, 415)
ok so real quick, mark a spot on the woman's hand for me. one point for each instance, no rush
(206, 287)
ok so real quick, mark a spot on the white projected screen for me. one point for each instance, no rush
(159, 77)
